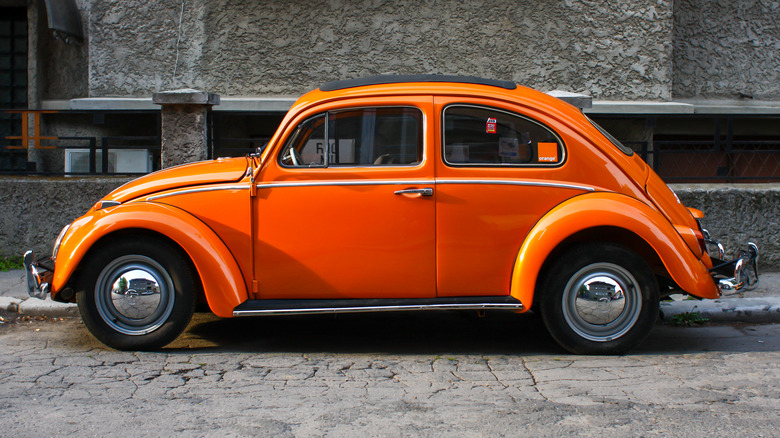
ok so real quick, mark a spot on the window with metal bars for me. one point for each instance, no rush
(13, 82)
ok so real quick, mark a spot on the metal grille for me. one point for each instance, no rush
(137, 153)
(715, 161)
(737, 148)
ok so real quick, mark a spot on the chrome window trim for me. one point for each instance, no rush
(560, 163)
(197, 190)
(365, 166)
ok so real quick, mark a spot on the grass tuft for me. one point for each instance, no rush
(689, 319)
(9, 263)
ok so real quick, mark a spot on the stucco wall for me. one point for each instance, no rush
(726, 47)
(34, 209)
(62, 71)
(735, 215)
(619, 50)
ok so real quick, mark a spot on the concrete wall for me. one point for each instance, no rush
(726, 47)
(739, 214)
(633, 49)
(620, 50)
(35, 209)
(62, 69)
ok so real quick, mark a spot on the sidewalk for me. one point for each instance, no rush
(14, 298)
(757, 306)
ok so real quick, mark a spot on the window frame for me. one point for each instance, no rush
(559, 163)
(327, 164)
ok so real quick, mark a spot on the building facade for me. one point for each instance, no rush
(693, 85)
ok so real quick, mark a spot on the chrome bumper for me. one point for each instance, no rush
(39, 275)
(739, 274)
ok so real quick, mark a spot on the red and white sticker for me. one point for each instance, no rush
(491, 126)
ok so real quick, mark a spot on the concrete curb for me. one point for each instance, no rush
(14, 298)
(38, 307)
(753, 310)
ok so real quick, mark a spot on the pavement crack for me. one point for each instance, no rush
(493, 373)
(533, 379)
(52, 371)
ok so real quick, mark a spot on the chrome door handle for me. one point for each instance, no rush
(425, 192)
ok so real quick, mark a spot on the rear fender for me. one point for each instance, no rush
(601, 209)
(220, 276)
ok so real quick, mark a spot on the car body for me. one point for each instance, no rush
(430, 193)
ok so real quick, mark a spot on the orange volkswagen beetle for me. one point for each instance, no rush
(397, 193)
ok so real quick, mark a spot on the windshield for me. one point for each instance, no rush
(623, 148)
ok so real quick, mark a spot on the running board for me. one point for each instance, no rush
(308, 307)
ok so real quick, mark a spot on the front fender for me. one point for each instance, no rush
(603, 209)
(220, 276)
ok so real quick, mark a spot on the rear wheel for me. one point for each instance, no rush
(136, 294)
(599, 298)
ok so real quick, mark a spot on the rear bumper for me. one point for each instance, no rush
(39, 275)
(738, 274)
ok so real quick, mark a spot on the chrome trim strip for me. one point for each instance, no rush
(356, 182)
(425, 182)
(515, 183)
(372, 182)
(198, 190)
(411, 307)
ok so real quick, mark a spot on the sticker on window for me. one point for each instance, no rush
(491, 126)
(548, 152)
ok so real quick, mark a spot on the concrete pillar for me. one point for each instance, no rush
(184, 125)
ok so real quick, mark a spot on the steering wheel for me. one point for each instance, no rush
(295, 157)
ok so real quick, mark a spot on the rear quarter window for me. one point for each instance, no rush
(483, 136)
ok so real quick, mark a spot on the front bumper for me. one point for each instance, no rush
(739, 274)
(39, 275)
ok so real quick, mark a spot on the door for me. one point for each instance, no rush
(497, 173)
(353, 216)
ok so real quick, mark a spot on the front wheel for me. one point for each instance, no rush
(599, 298)
(136, 294)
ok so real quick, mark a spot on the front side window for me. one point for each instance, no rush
(359, 137)
(488, 136)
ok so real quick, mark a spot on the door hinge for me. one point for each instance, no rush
(255, 287)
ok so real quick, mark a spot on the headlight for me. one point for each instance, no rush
(58, 241)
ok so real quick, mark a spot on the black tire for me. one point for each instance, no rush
(599, 298)
(144, 316)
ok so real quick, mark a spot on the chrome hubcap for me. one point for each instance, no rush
(134, 295)
(602, 302)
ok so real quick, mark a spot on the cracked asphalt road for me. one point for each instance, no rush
(387, 375)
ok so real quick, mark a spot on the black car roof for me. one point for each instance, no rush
(398, 79)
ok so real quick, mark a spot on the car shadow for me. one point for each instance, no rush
(390, 333)
(436, 333)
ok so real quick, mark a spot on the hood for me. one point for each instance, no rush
(203, 172)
